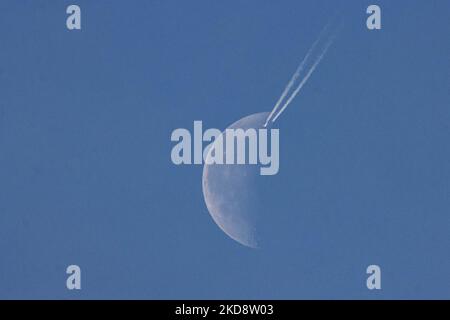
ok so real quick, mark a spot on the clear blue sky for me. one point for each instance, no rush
(85, 170)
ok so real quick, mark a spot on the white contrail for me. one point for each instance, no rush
(289, 86)
(292, 81)
(302, 83)
(295, 75)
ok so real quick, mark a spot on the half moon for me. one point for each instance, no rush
(230, 193)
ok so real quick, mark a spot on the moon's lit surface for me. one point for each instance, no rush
(230, 193)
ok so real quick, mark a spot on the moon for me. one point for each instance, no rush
(230, 191)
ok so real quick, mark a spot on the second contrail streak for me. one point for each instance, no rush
(296, 75)
(302, 83)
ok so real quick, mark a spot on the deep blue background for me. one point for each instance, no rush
(85, 170)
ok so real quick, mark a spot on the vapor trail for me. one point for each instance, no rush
(302, 83)
(296, 75)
